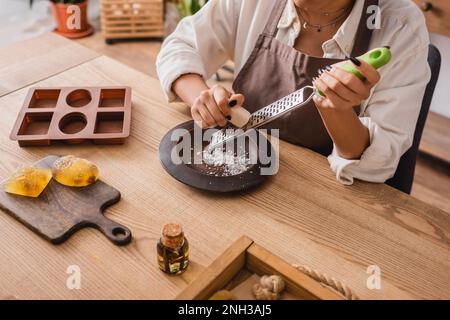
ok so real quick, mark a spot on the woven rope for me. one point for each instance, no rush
(339, 286)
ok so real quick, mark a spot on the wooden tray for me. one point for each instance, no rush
(246, 257)
(74, 115)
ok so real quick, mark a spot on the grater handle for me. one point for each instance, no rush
(377, 58)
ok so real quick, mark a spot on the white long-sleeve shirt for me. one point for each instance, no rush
(228, 29)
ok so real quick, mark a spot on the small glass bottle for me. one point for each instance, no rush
(173, 250)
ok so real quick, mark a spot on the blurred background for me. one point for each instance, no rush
(131, 31)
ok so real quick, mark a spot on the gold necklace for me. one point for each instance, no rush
(319, 27)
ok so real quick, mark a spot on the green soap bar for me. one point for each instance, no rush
(376, 58)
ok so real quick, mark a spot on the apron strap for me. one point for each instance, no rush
(363, 34)
(275, 16)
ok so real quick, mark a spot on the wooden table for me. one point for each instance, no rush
(302, 214)
(26, 62)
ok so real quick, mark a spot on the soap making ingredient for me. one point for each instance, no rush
(222, 295)
(74, 172)
(269, 288)
(273, 283)
(239, 117)
(28, 181)
(173, 249)
(232, 163)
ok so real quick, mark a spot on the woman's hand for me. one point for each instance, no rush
(343, 89)
(212, 106)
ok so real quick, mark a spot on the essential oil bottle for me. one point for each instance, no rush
(173, 250)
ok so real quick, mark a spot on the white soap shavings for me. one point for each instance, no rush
(230, 163)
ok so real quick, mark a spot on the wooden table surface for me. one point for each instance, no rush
(26, 62)
(302, 214)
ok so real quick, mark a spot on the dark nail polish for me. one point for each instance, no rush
(387, 47)
(232, 103)
(355, 61)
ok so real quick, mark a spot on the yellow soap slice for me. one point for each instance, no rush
(74, 172)
(28, 181)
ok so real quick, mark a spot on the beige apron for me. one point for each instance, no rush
(275, 70)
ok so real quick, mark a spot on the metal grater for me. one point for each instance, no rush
(265, 115)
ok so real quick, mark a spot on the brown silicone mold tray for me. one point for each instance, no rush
(74, 115)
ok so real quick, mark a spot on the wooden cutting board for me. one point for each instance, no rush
(60, 211)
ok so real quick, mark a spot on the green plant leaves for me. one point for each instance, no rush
(68, 1)
(190, 7)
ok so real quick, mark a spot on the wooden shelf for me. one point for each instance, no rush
(436, 137)
(122, 19)
(437, 14)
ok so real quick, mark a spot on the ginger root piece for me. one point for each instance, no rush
(74, 172)
(28, 181)
(222, 295)
(273, 283)
(269, 288)
(262, 293)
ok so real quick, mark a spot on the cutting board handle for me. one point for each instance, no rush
(117, 233)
